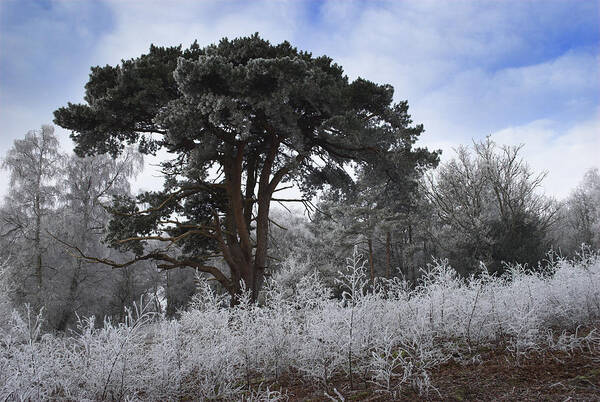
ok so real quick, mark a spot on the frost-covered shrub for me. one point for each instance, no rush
(209, 361)
(385, 333)
(318, 354)
(5, 290)
(28, 360)
(106, 362)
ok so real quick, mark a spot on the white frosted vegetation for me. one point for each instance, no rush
(389, 337)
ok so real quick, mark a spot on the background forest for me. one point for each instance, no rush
(481, 207)
(377, 326)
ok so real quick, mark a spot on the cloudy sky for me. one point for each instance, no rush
(522, 71)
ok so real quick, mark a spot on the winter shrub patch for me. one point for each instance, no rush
(385, 334)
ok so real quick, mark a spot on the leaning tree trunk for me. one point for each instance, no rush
(372, 268)
(388, 254)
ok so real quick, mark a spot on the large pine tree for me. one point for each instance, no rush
(240, 118)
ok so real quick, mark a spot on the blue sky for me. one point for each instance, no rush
(521, 71)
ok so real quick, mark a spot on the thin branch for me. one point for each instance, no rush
(277, 224)
(283, 188)
(174, 239)
(173, 262)
(290, 200)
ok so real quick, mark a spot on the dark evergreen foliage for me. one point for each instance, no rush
(240, 117)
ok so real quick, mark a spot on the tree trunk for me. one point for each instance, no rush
(171, 308)
(388, 254)
(68, 309)
(74, 286)
(245, 265)
(38, 242)
(370, 243)
(262, 241)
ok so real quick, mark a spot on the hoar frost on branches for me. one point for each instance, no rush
(390, 336)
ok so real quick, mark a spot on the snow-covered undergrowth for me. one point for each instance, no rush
(390, 336)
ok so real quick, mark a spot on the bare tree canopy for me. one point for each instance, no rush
(490, 197)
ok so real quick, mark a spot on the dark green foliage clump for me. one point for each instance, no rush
(240, 117)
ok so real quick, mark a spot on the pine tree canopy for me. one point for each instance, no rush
(241, 118)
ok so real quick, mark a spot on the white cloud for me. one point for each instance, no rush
(170, 23)
(453, 62)
(566, 154)
(467, 68)
(475, 103)
(22, 119)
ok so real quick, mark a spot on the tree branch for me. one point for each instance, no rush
(173, 262)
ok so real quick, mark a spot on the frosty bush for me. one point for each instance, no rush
(6, 289)
(384, 333)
